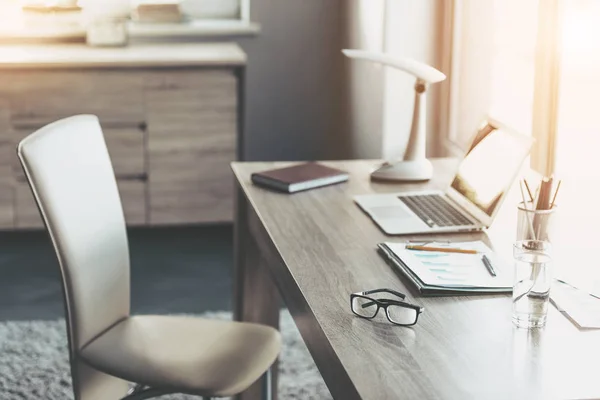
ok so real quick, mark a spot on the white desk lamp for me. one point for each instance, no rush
(416, 166)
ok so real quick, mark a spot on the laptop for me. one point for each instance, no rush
(472, 200)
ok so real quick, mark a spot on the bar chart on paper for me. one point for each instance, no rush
(444, 271)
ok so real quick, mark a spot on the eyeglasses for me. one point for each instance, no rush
(398, 312)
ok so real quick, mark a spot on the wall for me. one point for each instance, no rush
(380, 100)
(363, 86)
(293, 81)
(412, 30)
(304, 100)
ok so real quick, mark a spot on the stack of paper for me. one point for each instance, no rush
(450, 273)
(580, 307)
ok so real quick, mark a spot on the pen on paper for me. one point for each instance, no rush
(488, 265)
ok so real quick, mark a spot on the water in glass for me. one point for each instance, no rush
(533, 279)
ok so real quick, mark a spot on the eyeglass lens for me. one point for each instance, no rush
(401, 315)
(364, 307)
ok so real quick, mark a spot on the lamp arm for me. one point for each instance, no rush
(416, 166)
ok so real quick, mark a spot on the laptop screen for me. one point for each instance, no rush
(490, 166)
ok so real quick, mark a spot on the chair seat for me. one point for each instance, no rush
(185, 354)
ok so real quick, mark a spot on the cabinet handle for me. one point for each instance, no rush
(132, 177)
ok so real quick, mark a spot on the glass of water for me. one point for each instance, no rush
(533, 279)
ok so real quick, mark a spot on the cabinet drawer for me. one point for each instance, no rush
(133, 198)
(8, 158)
(7, 211)
(39, 97)
(126, 147)
(7, 151)
(27, 213)
(190, 80)
(197, 195)
(170, 133)
(192, 131)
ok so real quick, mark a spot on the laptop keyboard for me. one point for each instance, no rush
(435, 211)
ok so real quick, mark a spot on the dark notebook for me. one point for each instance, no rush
(299, 177)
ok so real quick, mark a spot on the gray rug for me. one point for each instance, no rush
(34, 362)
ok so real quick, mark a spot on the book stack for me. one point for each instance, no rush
(157, 11)
(60, 17)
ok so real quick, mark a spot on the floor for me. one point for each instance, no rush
(174, 270)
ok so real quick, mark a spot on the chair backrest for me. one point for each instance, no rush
(71, 176)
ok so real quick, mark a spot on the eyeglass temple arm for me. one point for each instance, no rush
(401, 295)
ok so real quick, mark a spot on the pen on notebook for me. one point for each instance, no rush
(440, 249)
(488, 265)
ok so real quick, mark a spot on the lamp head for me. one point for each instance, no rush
(421, 71)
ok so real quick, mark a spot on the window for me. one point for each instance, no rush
(577, 151)
(578, 138)
(493, 72)
(540, 78)
(535, 65)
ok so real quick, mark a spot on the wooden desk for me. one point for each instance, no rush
(314, 248)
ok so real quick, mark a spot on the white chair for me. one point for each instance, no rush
(71, 176)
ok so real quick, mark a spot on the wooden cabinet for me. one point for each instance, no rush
(26, 212)
(171, 133)
(39, 97)
(7, 210)
(191, 141)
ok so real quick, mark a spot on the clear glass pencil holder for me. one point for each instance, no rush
(535, 224)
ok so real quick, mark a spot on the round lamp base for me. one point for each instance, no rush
(404, 171)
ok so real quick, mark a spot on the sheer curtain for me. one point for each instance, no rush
(493, 67)
(495, 74)
(498, 70)
(535, 65)
(578, 139)
(577, 155)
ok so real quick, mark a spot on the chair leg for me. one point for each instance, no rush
(267, 386)
(140, 392)
(136, 389)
